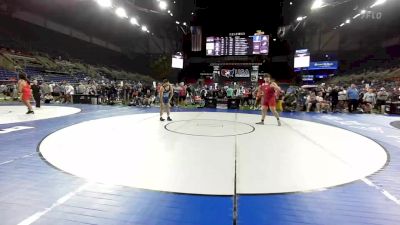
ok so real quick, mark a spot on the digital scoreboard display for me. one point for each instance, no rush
(237, 45)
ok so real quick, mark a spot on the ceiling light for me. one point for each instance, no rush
(317, 4)
(104, 3)
(121, 12)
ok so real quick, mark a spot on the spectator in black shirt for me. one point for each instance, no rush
(334, 98)
(36, 93)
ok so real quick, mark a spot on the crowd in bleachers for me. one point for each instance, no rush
(359, 91)
(364, 97)
(362, 91)
(365, 91)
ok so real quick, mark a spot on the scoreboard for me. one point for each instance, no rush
(237, 44)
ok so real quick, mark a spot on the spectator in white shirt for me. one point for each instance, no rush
(369, 101)
(69, 91)
(381, 99)
(312, 101)
(342, 97)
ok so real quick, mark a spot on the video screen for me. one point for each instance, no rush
(260, 44)
(177, 61)
(302, 58)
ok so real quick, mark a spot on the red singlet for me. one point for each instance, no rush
(269, 97)
(26, 92)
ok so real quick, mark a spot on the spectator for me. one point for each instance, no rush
(203, 92)
(69, 92)
(382, 97)
(81, 89)
(36, 92)
(312, 101)
(369, 101)
(229, 92)
(334, 97)
(279, 101)
(45, 88)
(290, 101)
(353, 98)
(56, 92)
(48, 98)
(322, 104)
(182, 94)
(14, 92)
(3, 89)
(246, 96)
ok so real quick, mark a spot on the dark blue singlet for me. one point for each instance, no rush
(165, 97)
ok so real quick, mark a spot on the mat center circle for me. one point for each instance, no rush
(201, 127)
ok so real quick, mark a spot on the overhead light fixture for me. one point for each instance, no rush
(348, 21)
(317, 4)
(134, 21)
(301, 18)
(163, 5)
(378, 2)
(121, 12)
(177, 22)
(363, 11)
(341, 25)
(171, 14)
(104, 3)
(184, 24)
(354, 17)
(291, 3)
(192, 13)
(144, 28)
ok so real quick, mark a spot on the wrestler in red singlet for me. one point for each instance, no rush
(26, 92)
(268, 91)
(24, 88)
(269, 96)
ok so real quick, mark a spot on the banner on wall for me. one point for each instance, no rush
(239, 73)
(324, 65)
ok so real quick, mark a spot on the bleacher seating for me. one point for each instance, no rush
(33, 71)
(6, 75)
(80, 76)
(59, 78)
(37, 73)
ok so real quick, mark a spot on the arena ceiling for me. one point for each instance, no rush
(335, 12)
(88, 16)
(223, 16)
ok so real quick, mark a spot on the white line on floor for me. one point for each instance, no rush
(10, 161)
(383, 191)
(60, 201)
